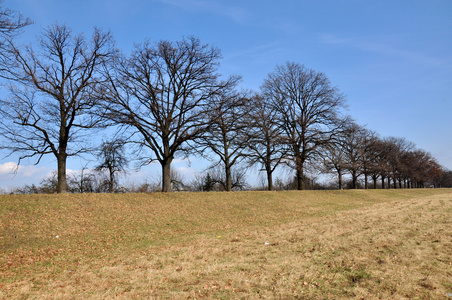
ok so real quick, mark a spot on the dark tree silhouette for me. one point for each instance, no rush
(352, 143)
(11, 22)
(308, 110)
(265, 138)
(334, 160)
(161, 95)
(368, 156)
(226, 136)
(53, 97)
(113, 160)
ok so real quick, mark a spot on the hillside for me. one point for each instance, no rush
(308, 244)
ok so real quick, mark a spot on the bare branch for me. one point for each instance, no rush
(54, 95)
(161, 93)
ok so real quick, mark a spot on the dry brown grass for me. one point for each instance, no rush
(309, 245)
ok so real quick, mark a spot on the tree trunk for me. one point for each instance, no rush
(374, 178)
(366, 185)
(300, 183)
(340, 180)
(62, 180)
(353, 179)
(269, 180)
(228, 181)
(383, 182)
(166, 176)
(268, 166)
(112, 181)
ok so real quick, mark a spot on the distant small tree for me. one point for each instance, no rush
(209, 183)
(238, 179)
(49, 184)
(83, 181)
(113, 160)
(177, 181)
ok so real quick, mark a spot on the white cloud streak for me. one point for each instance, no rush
(380, 48)
(12, 174)
(12, 168)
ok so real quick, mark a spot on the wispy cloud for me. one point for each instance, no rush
(380, 48)
(12, 168)
(8, 168)
(263, 50)
(238, 15)
(13, 175)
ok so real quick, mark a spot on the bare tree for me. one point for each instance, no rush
(368, 156)
(161, 94)
(52, 95)
(380, 166)
(11, 22)
(198, 184)
(177, 181)
(445, 179)
(334, 160)
(352, 145)
(265, 138)
(113, 160)
(308, 109)
(374, 163)
(217, 178)
(83, 181)
(227, 137)
(423, 168)
(395, 149)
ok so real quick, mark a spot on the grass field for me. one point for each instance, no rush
(376, 244)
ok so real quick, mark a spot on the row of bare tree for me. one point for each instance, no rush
(166, 99)
(395, 161)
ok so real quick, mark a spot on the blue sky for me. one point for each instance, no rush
(392, 59)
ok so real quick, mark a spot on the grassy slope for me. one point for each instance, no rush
(335, 244)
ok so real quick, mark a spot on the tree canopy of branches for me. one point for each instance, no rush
(352, 142)
(226, 136)
(394, 160)
(308, 111)
(168, 100)
(161, 94)
(53, 95)
(265, 138)
(334, 160)
(113, 160)
(354, 151)
(11, 22)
